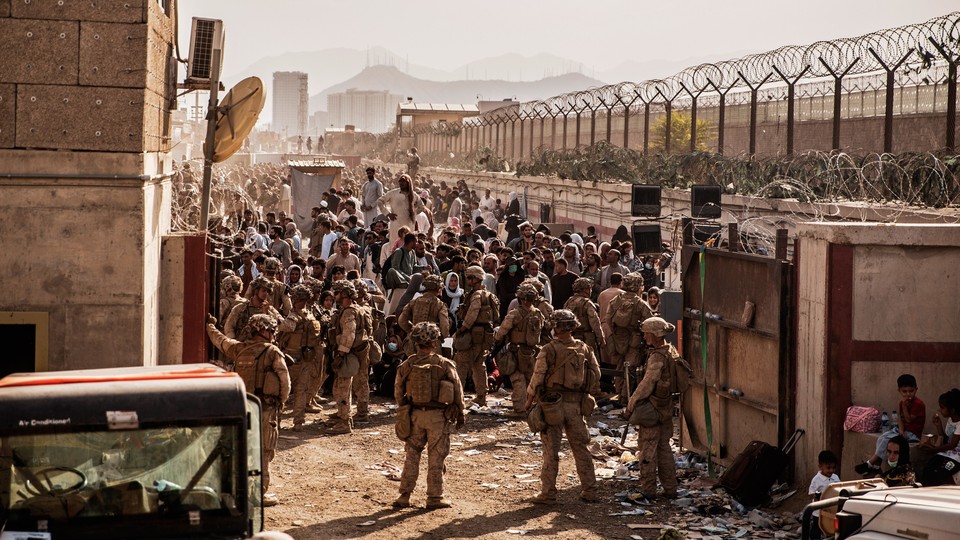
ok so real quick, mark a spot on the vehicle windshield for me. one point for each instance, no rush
(168, 470)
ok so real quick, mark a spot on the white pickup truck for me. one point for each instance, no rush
(914, 512)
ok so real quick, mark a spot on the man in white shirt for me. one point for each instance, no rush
(370, 193)
(329, 237)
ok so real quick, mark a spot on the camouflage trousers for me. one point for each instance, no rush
(342, 394)
(518, 381)
(304, 376)
(269, 433)
(656, 458)
(430, 429)
(575, 427)
(473, 361)
(623, 349)
(361, 384)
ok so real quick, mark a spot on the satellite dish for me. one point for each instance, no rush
(236, 115)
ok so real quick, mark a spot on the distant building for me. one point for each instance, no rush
(290, 102)
(369, 110)
(487, 106)
(411, 115)
(319, 121)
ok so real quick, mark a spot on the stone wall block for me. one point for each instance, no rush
(126, 11)
(80, 118)
(8, 108)
(112, 54)
(46, 51)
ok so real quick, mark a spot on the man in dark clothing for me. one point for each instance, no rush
(482, 229)
(561, 284)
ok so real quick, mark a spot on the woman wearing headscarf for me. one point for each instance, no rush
(293, 233)
(294, 277)
(452, 293)
(513, 204)
(621, 235)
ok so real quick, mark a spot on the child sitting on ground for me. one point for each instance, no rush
(911, 416)
(827, 462)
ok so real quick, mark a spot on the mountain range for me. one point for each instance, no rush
(509, 75)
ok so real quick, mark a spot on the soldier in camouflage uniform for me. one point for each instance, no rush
(260, 290)
(264, 372)
(278, 295)
(623, 317)
(565, 379)
(590, 330)
(522, 328)
(300, 339)
(348, 337)
(480, 311)
(427, 308)
(324, 316)
(230, 288)
(656, 456)
(372, 318)
(546, 308)
(429, 384)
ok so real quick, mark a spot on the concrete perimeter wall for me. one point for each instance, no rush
(875, 301)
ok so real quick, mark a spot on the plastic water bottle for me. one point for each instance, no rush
(884, 421)
(894, 419)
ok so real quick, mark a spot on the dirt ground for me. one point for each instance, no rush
(342, 486)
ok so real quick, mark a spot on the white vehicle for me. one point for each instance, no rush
(926, 513)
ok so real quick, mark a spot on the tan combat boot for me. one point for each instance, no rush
(439, 502)
(340, 428)
(403, 501)
(543, 498)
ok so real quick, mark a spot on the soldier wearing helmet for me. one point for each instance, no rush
(426, 308)
(479, 313)
(370, 323)
(589, 331)
(262, 367)
(278, 293)
(349, 338)
(230, 288)
(625, 345)
(300, 339)
(545, 308)
(428, 385)
(260, 291)
(656, 456)
(521, 328)
(565, 379)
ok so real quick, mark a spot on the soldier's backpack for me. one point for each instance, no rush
(426, 385)
(680, 372)
(624, 314)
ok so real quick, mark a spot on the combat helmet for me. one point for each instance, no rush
(564, 319)
(657, 326)
(474, 271)
(301, 293)
(271, 265)
(231, 283)
(583, 284)
(432, 282)
(537, 284)
(633, 282)
(260, 322)
(425, 333)
(526, 291)
(261, 282)
(344, 286)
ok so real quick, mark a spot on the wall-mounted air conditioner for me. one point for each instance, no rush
(206, 42)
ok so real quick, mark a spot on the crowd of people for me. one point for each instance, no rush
(397, 269)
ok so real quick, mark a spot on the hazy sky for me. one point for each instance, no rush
(445, 34)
